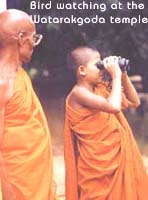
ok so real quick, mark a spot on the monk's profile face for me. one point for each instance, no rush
(93, 74)
(18, 33)
(27, 46)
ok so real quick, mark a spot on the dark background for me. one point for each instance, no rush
(111, 39)
(51, 79)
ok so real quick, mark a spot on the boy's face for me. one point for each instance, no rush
(93, 73)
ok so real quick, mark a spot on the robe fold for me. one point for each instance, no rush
(26, 147)
(102, 158)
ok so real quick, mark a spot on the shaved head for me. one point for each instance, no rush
(13, 22)
(80, 56)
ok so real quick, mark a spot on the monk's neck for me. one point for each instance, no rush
(9, 61)
(86, 85)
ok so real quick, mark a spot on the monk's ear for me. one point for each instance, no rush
(82, 70)
(21, 39)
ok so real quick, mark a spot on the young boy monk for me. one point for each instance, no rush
(101, 156)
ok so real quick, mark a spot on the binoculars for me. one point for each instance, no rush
(124, 64)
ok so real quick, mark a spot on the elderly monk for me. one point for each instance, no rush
(25, 156)
(101, 156)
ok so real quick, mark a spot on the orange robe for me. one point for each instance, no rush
(102, 159)
(26, 145)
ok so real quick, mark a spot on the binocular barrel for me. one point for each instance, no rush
(124, 64)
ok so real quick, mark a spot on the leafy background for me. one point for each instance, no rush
(50, 77)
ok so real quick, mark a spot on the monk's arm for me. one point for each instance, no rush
(1, 125)
(3, 99)
(112, 104)
(7, 192)
(130, 91)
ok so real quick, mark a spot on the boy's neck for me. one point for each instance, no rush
(86, 85)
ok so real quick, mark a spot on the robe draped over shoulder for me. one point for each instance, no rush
(102, 158)
(26, 145)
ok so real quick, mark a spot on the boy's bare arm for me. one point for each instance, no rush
(86, 98)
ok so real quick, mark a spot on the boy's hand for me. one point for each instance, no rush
(112, 66)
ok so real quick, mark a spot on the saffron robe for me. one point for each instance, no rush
(102, 159)
(26, 145)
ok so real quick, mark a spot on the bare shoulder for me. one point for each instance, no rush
(77, 92)
(5, 91)
(83, 93)
(78, 97)
(74, 96)
(4, 85)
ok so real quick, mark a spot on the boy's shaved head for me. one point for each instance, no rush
(80, 56)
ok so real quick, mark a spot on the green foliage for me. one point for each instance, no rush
(111, 39)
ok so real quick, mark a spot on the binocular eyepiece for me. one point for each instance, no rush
(124, 64)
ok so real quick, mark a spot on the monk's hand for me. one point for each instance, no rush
(112, 66)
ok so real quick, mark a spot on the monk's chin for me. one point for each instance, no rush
(27, 60)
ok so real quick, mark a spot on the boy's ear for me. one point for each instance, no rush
(82, 70)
